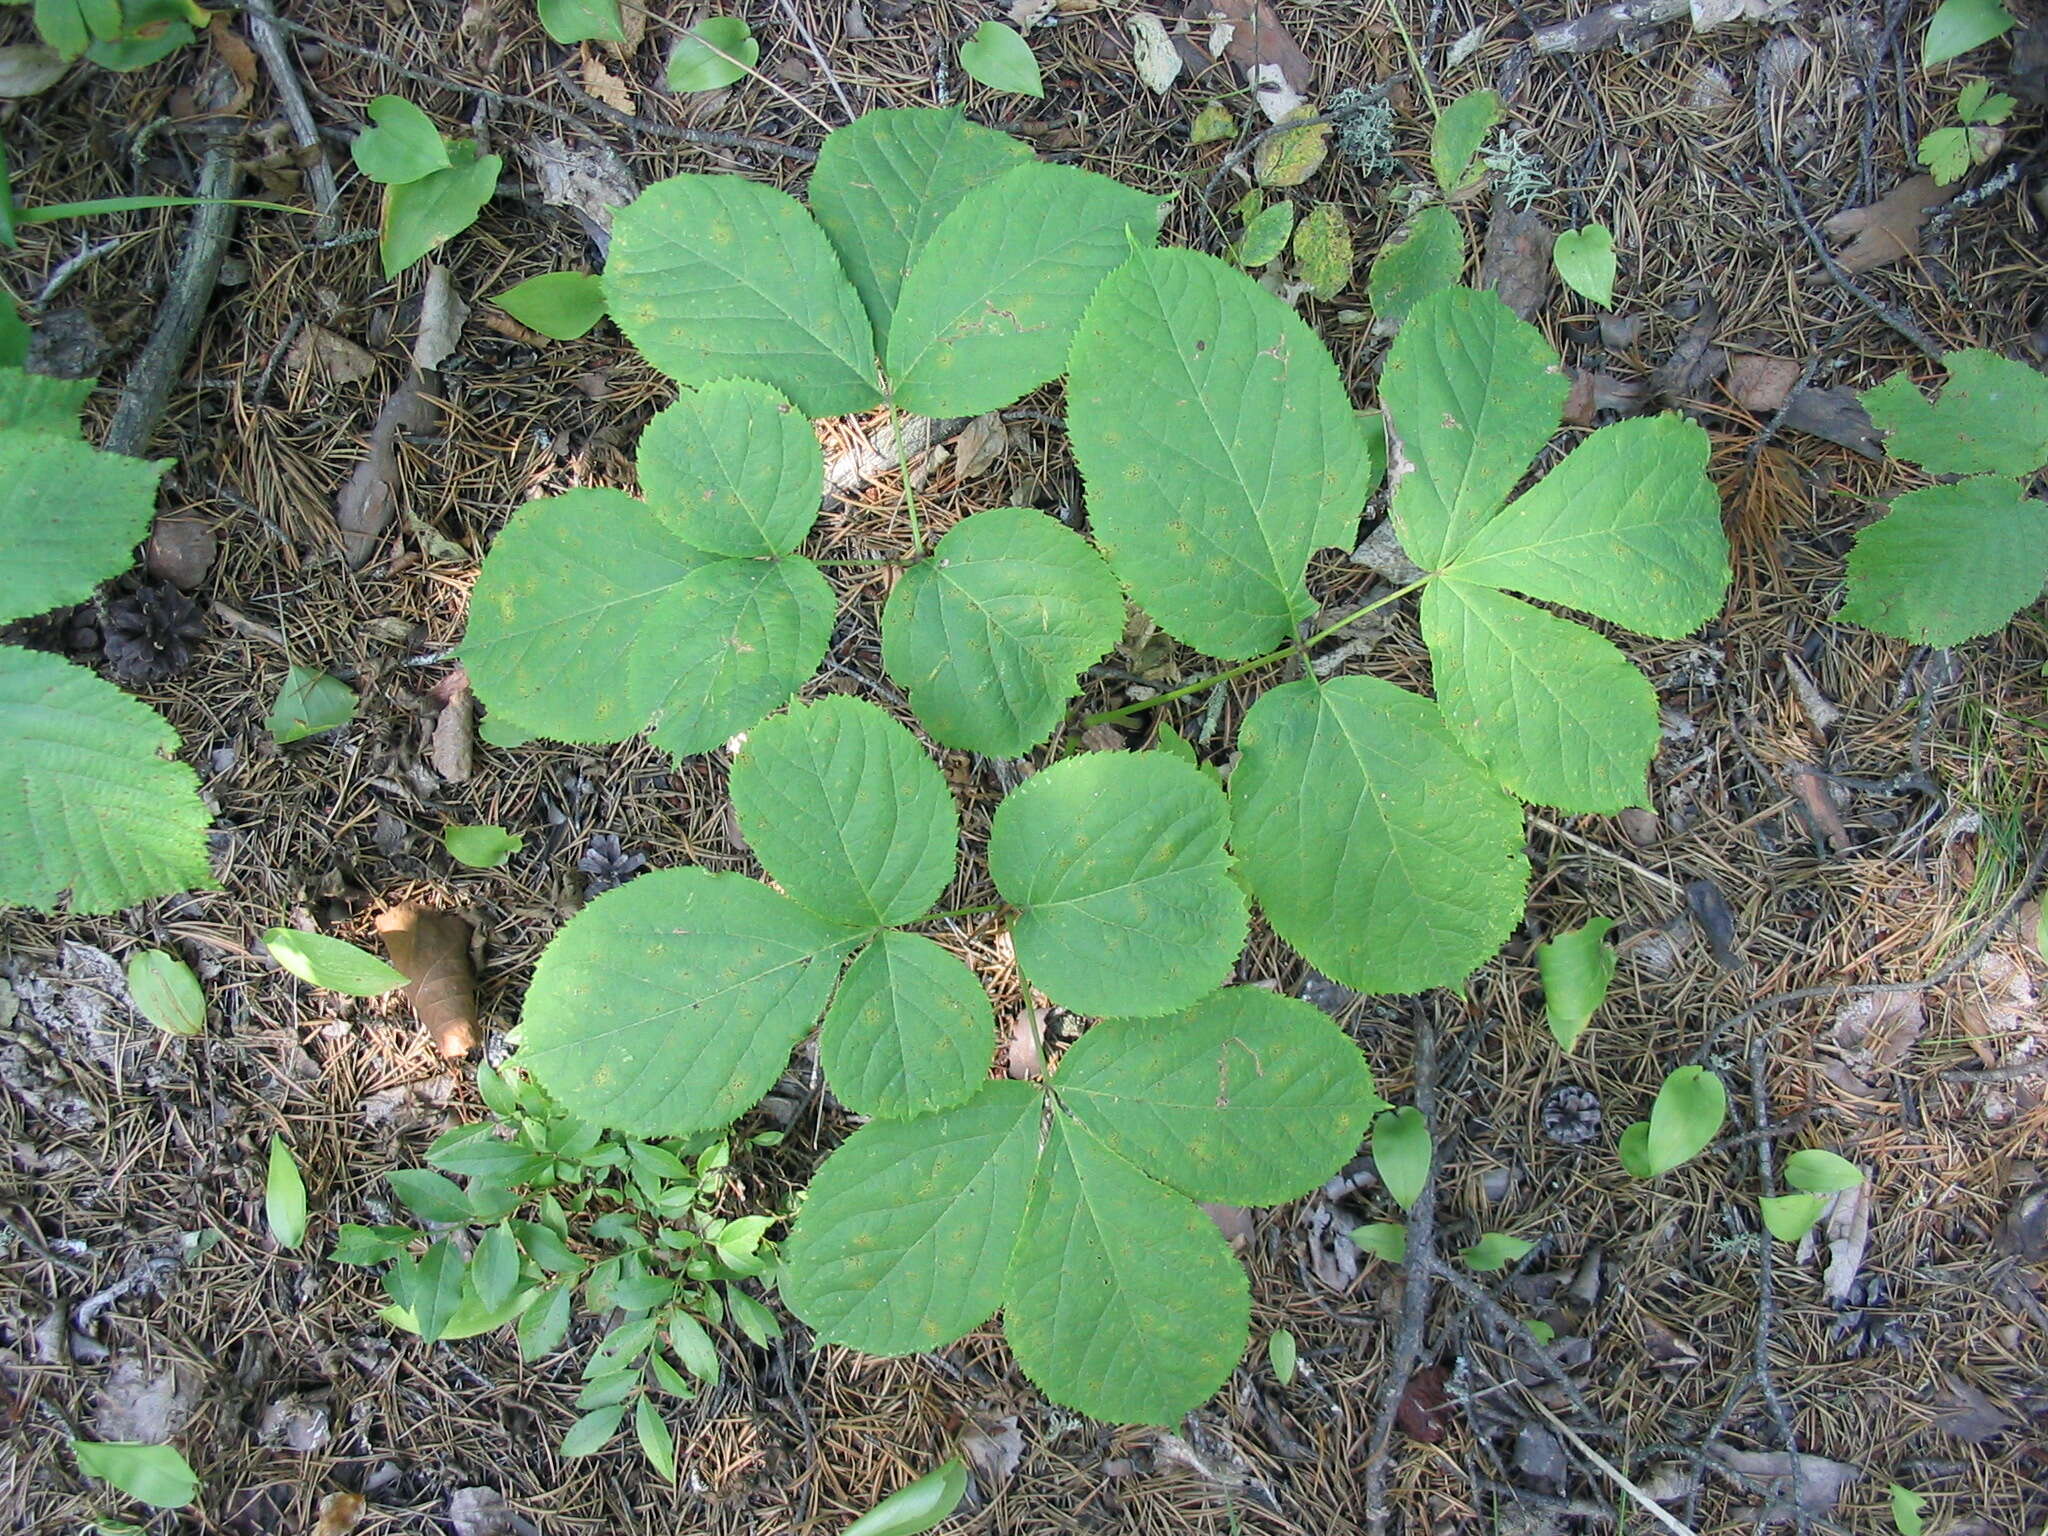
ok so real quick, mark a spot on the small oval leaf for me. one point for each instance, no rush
(333, 964)
(166, 993)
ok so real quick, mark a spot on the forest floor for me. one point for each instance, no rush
(1828, 809)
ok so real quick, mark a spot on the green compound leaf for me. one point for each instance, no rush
(1000, 59)
(989, 634)
(1628, 526)
(560, 305)
(1576, 968)
(738, 637)
(986, 314)
(1686, 1118)
(1248, 1097)
(847, 812)
(1474, 394)
(910, 1030)
(906, 1233)
(733, 469)
(423, 215)
(1219, 448)
(97, 808)
(715, 53)
(572, 587)
(1124, 1301)
(885, 180)
(1401, 1154)
(1116, 863)
(1375, 846)
(1949, 562)
(400, 145)
(670, 1004)
(70, 517)
(1556, 711)
(1992, 416)
(1946, 155)
(1427, 260)
(1584, 258)
(1460, 129)
(334, 965)
(35, 402)
(714, 276)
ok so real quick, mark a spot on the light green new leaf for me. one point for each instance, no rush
(741, 637)
(98, 808)
(988, 635)
(1907, 1508)
(657, 1441)
(1386, 1241)
(1265, 235)
(546, 1323)
(1219, 447)
(334, 965)
(1628, 526)
(561, 305)
(437, 1295)
(1957, 26)
(154, 1474)
(308, 703)
(1401, 1153)
(1124, 1301)
(1633, 1150)
(1992, 416)
(35, 402)
(1978, 103)
(715, 53)
(714, 277)
(1790, 1217)
(916, 1507)
(987, 312)
(905, 1235)
(1686, 1118)
(1116, 864)
(1427, 260)
(885, 180)
(481, 847)
(400, 145)
(1584, 258)
(1821, 1173)
(733, 469)
(1283, 1353)
(70, 517)
(1576, 968)
(421, 216)
(1460, 129)
(1374, 845)
(494, 1270)
(669, 1005)
(1556, 711)
(165, 992)
(572, 587)
(1474, 394)
(1000, 59)
(1494, 1250)
(910, 1029)
(1946, 155)
(847, 812)
(284, 1196)
(1248, 1098)
(581, 21)
(1949, 562)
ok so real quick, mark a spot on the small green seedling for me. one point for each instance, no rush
(119, 35)
(1949, 153)
(1584, 258)
(434, 187)
(1283, 1354)
(1577, 968)
(917, 1507)
(1690, 1110)
(1401, 1153)
(715, 53)
(1000, 59)
(332, 964)
(1814, 1175)
(166, 993)
(1909, 1510)
(156, 1475)
(558, 1216)
(1495, 1250)
(284, 1196)
(1956, 560)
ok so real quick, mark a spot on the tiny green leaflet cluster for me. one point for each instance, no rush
(1956, 559)
(558, 1216)
(942, 270)
(1949, 153)
(434, 187)
(104, 815)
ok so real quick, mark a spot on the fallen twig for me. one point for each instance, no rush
(284, 79)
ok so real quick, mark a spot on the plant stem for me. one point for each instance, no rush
(909, 495)
(860, 560)
(987, 906)
(1104, 717)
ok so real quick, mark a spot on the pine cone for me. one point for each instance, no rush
(1571, 1115)
(150, 633)
(608, 865)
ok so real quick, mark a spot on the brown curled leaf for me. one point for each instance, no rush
(432, 949)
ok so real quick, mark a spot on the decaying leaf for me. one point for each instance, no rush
(432, 949)
(1996, 1001)
(603, 84)
(1791, 1484)
(1760, 384)
(1323, 252)
(981, 444)
(1288, 158)
(1250, 35)
(1424, 1410)
(993, 1447)
(453, 748)
(1964, 1412)
(321, 356)
(1157, 61)
(1887, 229)
(340, 1513)
(1516, 263)
(1847, 1223)
(589, 180)
(1233, 1221)
(1593, 393)
(1878, 1032)
(1836, 414)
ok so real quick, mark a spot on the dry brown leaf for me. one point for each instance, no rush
(1847, 1223)
(432, 949)
(453, 749)
(442, 314)
(1997, 1001)
(1233, 1221)
(1593, 393)
(606, 86)
(1967, 1414)
(1836, 414)
(180, 550)
(993, 1447)
(981, 444)
(1879, 1031)
(1761, 384)
(365, 503)
(589, 180)
(1028, 13)
(1887, 229)
(1517, 261)
(340, 1513)
(1250, 35)
(1023, 1056)
(1811, 788)
(1153, 53)
(1424, 1410)
(1791, 1483)
(320, 356)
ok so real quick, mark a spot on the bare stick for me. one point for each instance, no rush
(284, 79)
(148, 387)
